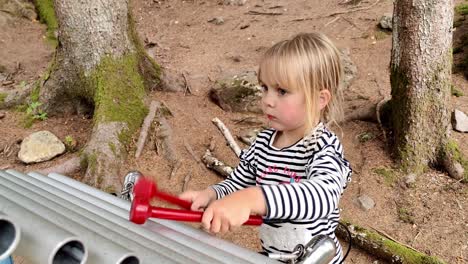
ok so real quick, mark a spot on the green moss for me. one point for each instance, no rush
(109, 189)
(452, 149)
(380, 34)
(46, 11)
(461, 9)
(389, 175)
(119, 93)
(455, 91)
(405, 215)
(88, 161)
(3, 96)
(113, 148)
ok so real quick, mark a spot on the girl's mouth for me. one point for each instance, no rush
(270, 117)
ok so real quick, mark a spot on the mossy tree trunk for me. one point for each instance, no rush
(98, 68)
(421, 63)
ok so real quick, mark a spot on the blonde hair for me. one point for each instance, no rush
(308, 63)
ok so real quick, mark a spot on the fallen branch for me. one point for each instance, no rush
(225, 131)
(187, 85)
(66, 168)
(163, 140)
(384, 247)
(186, 180)
(218, 166)
(192, 153)
(354, 10)
(146, 125)
(252, 12)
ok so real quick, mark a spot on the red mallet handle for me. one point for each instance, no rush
(191, 216)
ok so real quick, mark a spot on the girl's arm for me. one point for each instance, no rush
(243, 176)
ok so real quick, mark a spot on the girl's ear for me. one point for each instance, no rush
(324, 98)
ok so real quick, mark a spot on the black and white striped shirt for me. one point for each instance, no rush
(302, 185)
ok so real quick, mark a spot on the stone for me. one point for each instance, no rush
(460, 121)
(410, 179)
(234, 2)
(365, 202)
(386, 22)
(349, 68)
(217, 20)
(40, 146)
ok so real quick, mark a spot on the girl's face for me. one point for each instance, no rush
(284, 108)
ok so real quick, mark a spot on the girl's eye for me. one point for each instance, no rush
(282, 91)
(264, 88)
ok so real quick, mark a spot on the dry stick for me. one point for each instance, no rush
(252, 12)
(192, 153)
(174, 169)
(354, 10)
(186, 180)
(335, 19)
(225, 131)
(218, 166)
(187, 85)
(146, 125)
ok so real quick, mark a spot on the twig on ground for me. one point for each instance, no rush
(186, 180)
(334, 20)
(192, 153)
(353, 10)
(352, 23)
(212, 144)
(174, 169)
(225, 131)
(253, 12)
(146, 125)
(187, 85)
(216, 165)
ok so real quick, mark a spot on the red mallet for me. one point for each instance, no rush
(141, 209)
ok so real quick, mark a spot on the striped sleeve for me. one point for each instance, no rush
(314, 198)
(241, 177)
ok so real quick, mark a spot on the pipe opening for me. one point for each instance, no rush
(8, 235)
(72, 252)
(130, 260)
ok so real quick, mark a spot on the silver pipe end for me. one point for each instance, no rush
(129, 260)
(9, 237)
(70, 252)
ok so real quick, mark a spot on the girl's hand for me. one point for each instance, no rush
(199, 199)
(233, 210)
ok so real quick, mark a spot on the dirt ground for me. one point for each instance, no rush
(430, 217)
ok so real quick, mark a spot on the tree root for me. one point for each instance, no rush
(12, 98)
(66, 168)
(103, 156)
(454, 162)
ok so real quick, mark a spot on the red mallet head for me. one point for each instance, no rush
(143, 192)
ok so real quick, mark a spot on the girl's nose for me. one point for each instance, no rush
(268, 100)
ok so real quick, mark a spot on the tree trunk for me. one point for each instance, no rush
(98, 68)
(421, 63)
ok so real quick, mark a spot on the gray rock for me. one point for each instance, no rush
(350, 69)
(217, 20)
(238, 93)
(386, 22)
(460, 121)
(40, 146)
(365, 202)
(410, 179)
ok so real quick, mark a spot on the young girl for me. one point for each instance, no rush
(294, 172)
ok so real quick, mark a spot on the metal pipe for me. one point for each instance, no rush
(184, 245)
(109, 252)
(9, 236)
(191, 237)
(109, 225)
(42, 241)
